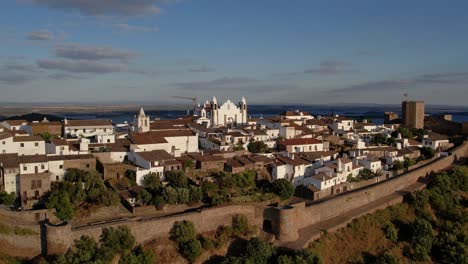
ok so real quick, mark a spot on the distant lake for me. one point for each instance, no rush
(372, 112)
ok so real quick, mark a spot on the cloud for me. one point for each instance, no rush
(64, 76)
(81, 66)
(15, 73)
(132, 28)
(105, 7)
(200, 69)
(215, 84)
(81, 52)
(424, 79)
(15, 77)
(329, 67)
(43, 34)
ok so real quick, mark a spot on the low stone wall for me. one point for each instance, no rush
(27, 246)
(146, 230)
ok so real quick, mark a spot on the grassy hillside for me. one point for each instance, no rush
(430, 227)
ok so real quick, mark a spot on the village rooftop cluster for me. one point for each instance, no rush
(319, 155)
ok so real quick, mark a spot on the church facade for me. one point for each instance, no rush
(226, 114)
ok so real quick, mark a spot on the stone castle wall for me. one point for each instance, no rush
(284, 222)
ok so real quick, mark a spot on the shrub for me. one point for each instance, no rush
(259, 251)
(177, 179)
(183, 231)
(240, 224)
(190, 249)
(7, 198)
(283, 188)
(152, 181)
(391, 233)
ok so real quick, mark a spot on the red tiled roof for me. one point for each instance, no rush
(9, 160)
(89, 122)
(28, 139)
(70, 157)
(33, 159)
(155, 155)
(300, 141)
(59, 142)
(16, 122)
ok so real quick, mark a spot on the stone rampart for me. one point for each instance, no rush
(284, 222)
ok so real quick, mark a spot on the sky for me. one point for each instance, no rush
(270, 51)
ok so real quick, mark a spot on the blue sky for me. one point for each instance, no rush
(271, 51)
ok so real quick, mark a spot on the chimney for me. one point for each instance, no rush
(202, 152)
(65, 121)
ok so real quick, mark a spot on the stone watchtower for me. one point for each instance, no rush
(141, 123)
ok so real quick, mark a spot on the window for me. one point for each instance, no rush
(42, 167)
(57, 178)
(60, 166)
(33, 184)
(22, 145)
(108, 140)
(36, 194)
(25, 168)
(3, 142)
(62, 148)
(36, 144)
(84, 130)
(87, 165)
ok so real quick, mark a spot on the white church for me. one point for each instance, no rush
(215, 115)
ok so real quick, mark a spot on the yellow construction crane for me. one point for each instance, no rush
(193, 99)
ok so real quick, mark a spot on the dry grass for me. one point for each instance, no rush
(364, 237)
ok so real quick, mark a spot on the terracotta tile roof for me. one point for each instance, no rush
(435, 136)
(33, 159)
(155, 155)
(296, 113)
(206, 157)
(295, 162)
(300, 141)
(170, 124)
(145, 139)
(318, 154)
(70, 157)
(52, 123)
(89, 122)
(236, 134)
(9, 161)
(321, 177)
(59, 142)
(316, 122)
(28, 138)
(18, 132)
(18, 122)
(5, 135)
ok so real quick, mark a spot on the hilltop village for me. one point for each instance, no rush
(319, 156)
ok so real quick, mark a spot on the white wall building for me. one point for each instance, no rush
(87, 128)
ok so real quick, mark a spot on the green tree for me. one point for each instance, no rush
(257, 147)
(427, 153)
(408, 163)
(386, 258)
(63, 208)
(240, 224)
(152, 181)
(177, 179)
(391, 233)
(170, 195)
(379, 139)
(423, 237)
(183, 231)
(259, 251)
(397, 165)
(283, 188)
(145, 197)
(190, 249)
(196, 194)
(7, 198)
